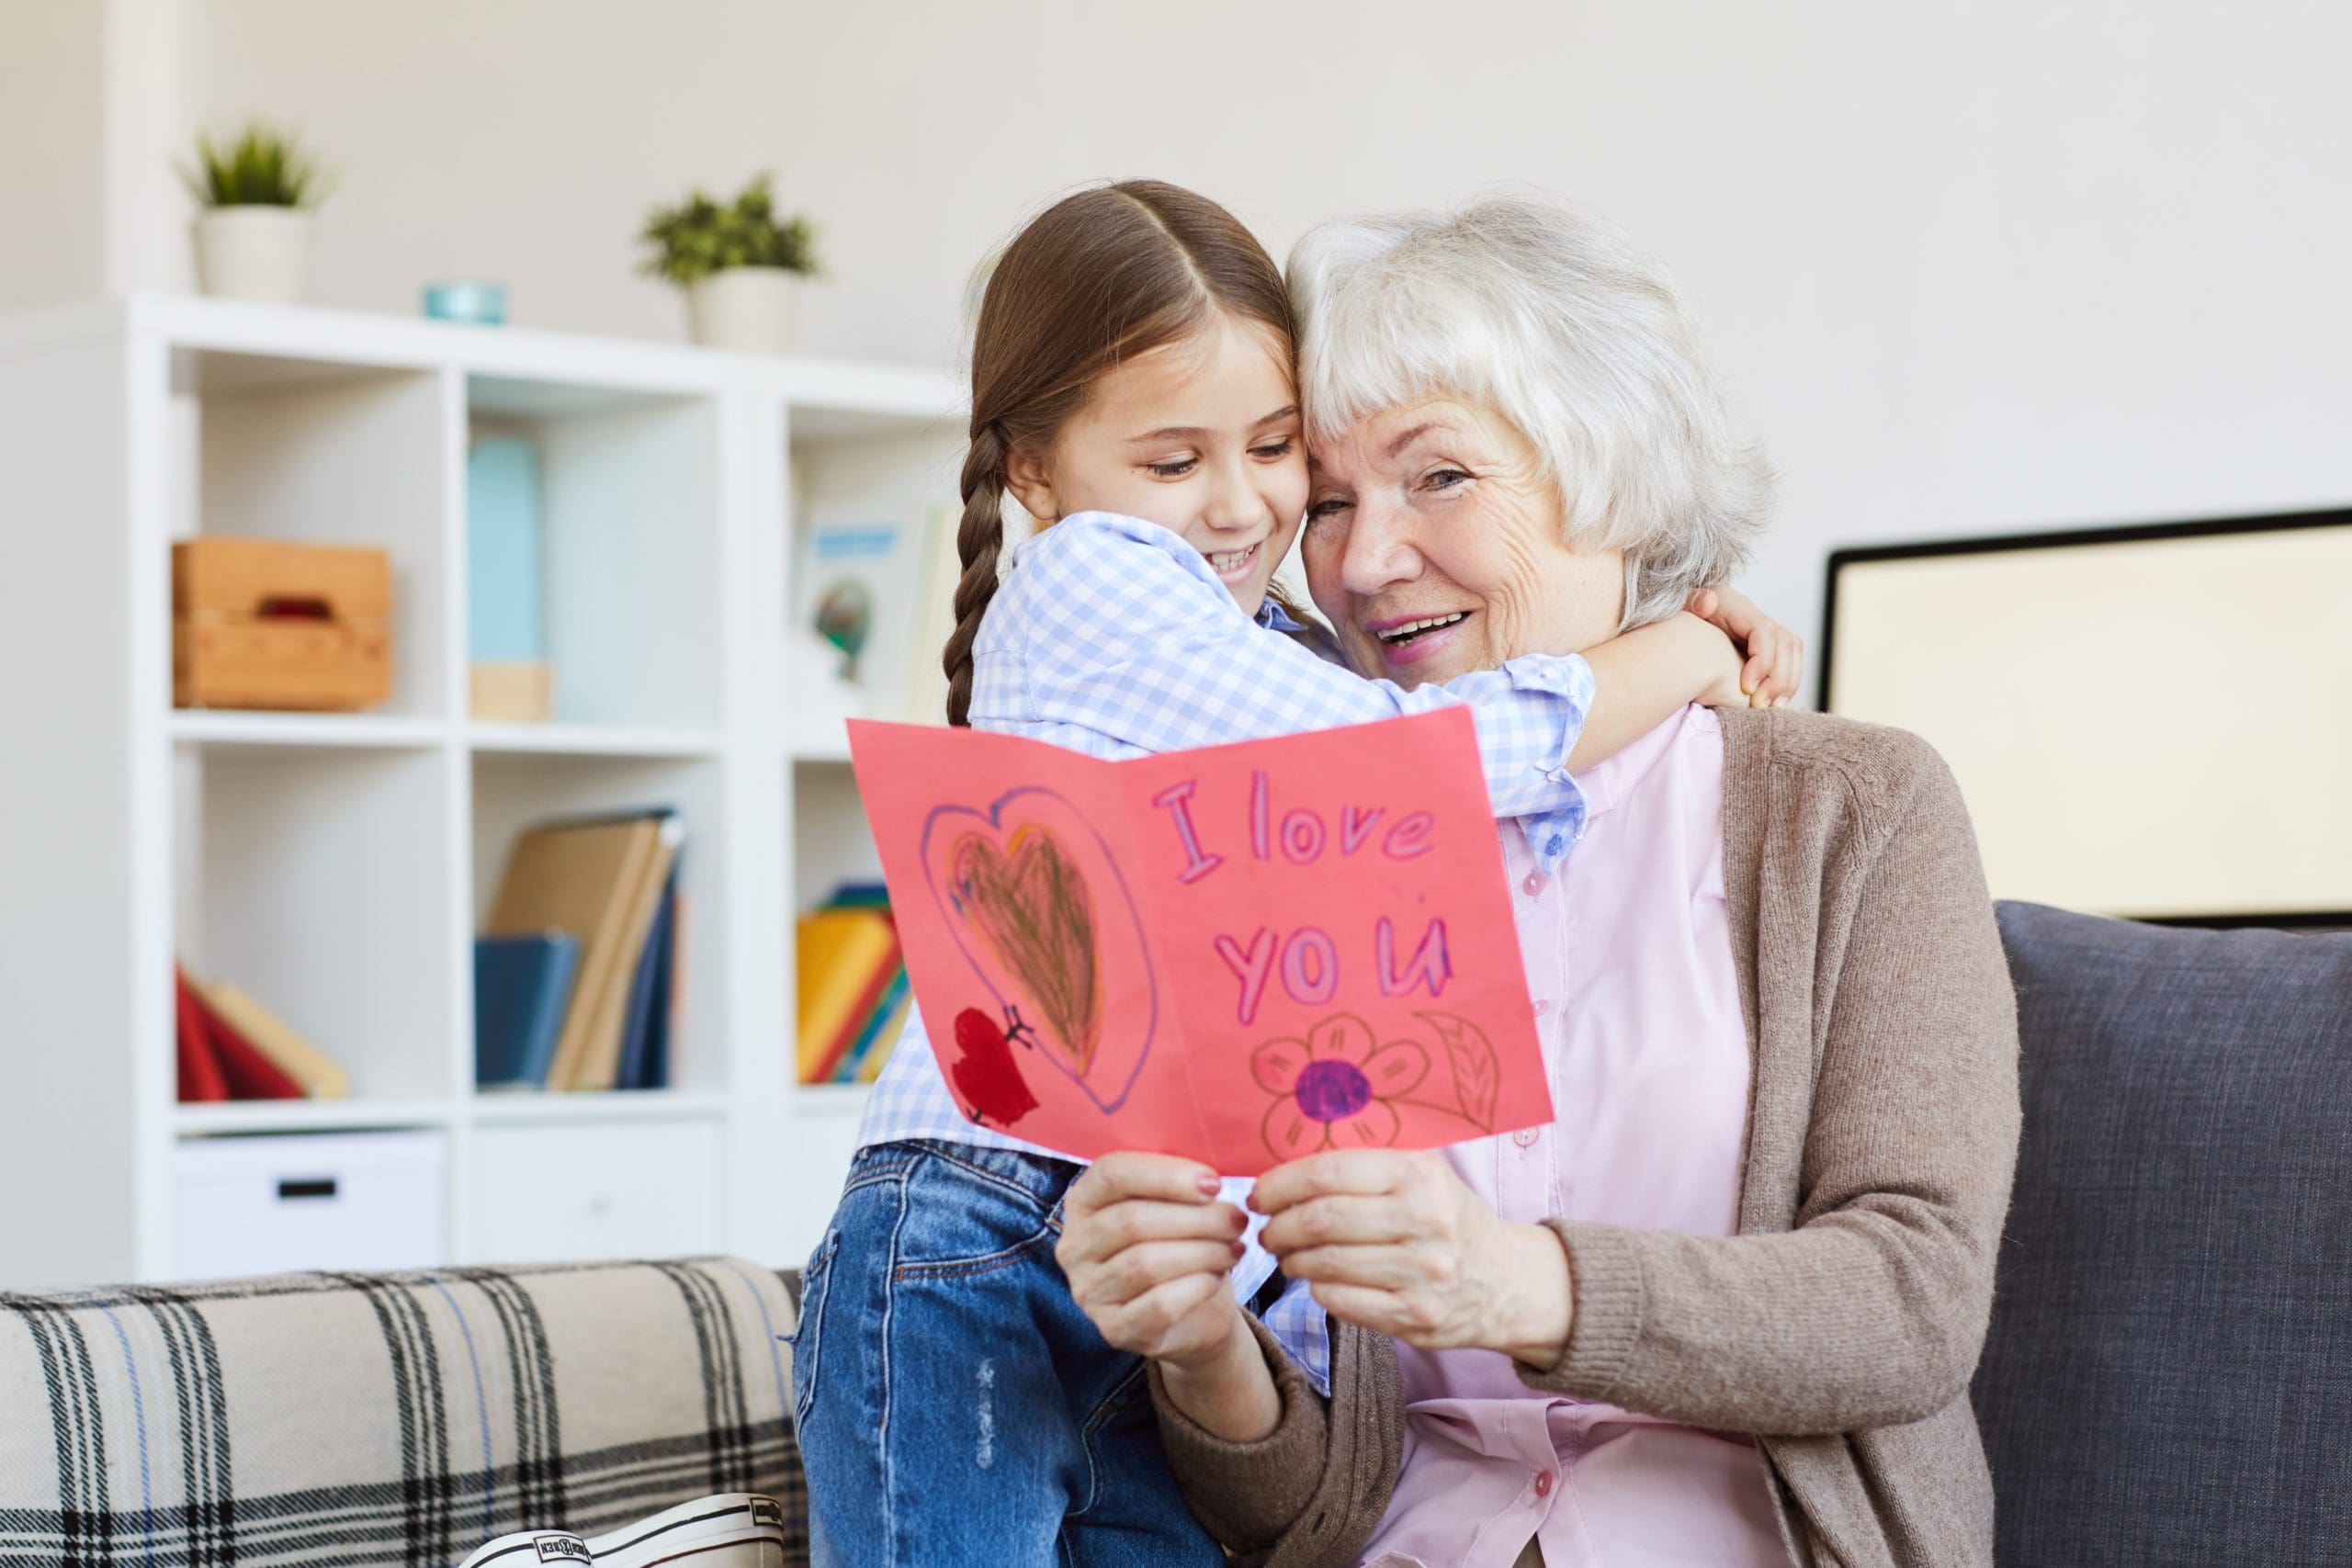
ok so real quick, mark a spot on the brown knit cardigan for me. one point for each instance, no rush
(1841, 1325)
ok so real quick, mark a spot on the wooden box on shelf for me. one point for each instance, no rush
(273, 623)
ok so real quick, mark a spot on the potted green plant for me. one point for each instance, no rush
(253, 235)
(739, 263)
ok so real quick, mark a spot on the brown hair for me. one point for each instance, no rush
(1096, 280)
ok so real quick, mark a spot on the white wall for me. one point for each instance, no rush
(1966, 267)
(53, 194)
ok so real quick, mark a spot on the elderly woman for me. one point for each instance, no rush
(1724, 1310)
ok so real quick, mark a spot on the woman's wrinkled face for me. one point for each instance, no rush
(1435, 545)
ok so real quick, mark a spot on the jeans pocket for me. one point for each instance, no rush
(807, 1332)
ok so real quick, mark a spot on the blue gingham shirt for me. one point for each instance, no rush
(1111, 636)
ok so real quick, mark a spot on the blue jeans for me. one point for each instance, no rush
(954, 1403)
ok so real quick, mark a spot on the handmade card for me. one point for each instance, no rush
(1243, 953)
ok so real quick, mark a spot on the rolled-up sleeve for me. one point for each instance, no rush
(1124, 632)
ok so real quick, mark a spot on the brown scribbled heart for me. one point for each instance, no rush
(1032, 906)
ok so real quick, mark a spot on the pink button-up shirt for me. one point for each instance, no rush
(1629, 962)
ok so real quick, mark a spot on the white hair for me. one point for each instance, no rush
(1555, 322)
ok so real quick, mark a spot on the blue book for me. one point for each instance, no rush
(645, 1027)
(655, 1073)
(507, 613)
(522, 986)
(869, 1034)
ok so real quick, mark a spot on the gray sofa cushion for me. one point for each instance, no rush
(2168, 1377)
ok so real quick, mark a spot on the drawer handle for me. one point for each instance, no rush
(294, 607)
(319, 1187)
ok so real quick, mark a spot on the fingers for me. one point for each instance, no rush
(1703, 604)
(1364, 1172)
(1731, 610)
(1382, 1311)
(1774, 668)
(1370, 1268)
(1343, 1220)
(1142, 1325)
(1130, 1174)
(1099, 1234)
(1138, 1270)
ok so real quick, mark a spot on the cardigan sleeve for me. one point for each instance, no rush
(1872, 1311)
(1311, 1492)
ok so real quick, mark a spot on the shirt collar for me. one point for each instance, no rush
(1275, 618)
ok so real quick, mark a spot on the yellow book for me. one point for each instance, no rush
(287, 1051)
(836, 953)
(884, 1042)
(600, 1058)
(586, 878)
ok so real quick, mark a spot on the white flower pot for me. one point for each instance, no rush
(253, 252)
(745, 308)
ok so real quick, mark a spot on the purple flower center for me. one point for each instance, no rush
(1332, 1090)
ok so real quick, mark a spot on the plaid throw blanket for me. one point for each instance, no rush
(386, 1421)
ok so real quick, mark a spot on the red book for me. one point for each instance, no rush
(250, 1075)
(200, 1078)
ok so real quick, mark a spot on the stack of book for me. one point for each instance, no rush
(854, 992)
(231, 1047)
(576, 974)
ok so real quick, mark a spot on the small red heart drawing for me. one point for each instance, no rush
(1042, 912)
(985, 1074)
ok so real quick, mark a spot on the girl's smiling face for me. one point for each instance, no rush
(1202, 437)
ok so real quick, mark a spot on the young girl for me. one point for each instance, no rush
(1132, 385)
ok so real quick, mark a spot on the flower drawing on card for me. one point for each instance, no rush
(1339, 1088)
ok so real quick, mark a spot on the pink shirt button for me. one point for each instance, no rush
(1525, 1137)
(1534, 884)
(1543, 1484)
(1541, 1007)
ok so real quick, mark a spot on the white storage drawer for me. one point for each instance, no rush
(279, 1203)
(595, 1191)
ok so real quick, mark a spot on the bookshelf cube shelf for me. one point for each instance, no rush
(337, 454)
(633, 546)
(335, 866)
(299, 878)
(514, 790)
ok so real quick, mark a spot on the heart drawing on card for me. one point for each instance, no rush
(1043, 914)
(1032, 908)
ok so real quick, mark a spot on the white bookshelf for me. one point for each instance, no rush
(335, 866)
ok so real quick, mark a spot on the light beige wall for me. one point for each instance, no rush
(1967, 268)
(52, 191)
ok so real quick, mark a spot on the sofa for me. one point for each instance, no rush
(387, 1421)
(2169, 1374)
(2167, 1379)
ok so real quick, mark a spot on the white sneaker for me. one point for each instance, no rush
(733, 1529)
(528, 1549)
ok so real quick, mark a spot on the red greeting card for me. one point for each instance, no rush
(1243, 953)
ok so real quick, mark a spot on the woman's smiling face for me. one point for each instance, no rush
(1435, 545)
